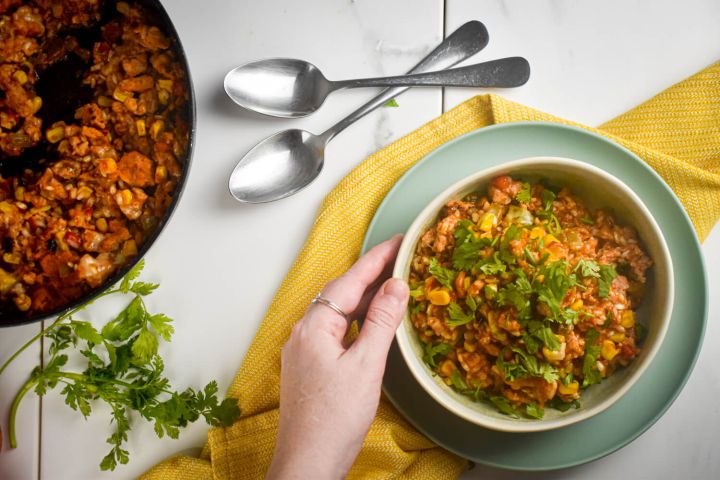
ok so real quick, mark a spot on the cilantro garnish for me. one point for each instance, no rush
(503, 405)
(552, 290)
(607, 275)
(122, 369)
(525, 194)
(458, 316)
(391, 103)
(445, 276)
(588, 268)
(587, 220)
(433, 351)
(591, 373)
(458, 381)
(533, 410)
(545, 335)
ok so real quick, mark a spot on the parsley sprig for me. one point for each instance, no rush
(122, 369)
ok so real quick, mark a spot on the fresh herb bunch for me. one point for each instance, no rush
(123, 369)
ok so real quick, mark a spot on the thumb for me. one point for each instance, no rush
(384, 314)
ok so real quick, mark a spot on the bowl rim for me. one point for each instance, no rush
(415, 364)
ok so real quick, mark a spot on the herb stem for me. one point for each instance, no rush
(53, 325)
(14, 408)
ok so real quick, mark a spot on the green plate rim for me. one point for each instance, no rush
(705, 292)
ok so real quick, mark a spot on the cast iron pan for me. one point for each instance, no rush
(62, 93)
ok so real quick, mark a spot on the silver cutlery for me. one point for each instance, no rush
(290, 88)
(285, 163)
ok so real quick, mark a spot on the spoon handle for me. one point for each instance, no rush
(505, 72)
(463, 43)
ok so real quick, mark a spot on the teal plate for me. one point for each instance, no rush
(661, 383)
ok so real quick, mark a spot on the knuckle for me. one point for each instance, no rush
(382, 315)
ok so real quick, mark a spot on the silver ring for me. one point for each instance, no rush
(324, 301)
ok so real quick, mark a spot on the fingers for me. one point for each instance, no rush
(384, 314)
(347, 291)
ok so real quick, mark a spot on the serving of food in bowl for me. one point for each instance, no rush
(96, 123)
(541, 290)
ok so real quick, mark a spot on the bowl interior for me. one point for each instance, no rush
(597, 189)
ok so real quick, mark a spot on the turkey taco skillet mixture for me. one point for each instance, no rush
(523, 297)
(68, 225)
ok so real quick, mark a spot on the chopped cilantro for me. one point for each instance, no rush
(391, 103)
(445, 276)
(552, 290)
(417, 292)
(533, 410)
(640, 332)
(592, 351)
(433, 351)
(588, 268)
(458, 316)
(587, 220)
(607, 275)
(558, 404)
(545, 335)
(504, 406)
(458, 381)
(525, 194)
(471, 303)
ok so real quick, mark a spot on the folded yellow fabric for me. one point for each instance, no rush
(677, 133)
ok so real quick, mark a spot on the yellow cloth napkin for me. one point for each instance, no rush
(677, 133)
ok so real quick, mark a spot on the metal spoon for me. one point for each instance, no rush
(289, 88)
(287, 162)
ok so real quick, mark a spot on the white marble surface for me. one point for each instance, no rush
(219, 262)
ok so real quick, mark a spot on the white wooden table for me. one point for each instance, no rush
(220, 262)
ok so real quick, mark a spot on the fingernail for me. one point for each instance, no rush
(397, 289)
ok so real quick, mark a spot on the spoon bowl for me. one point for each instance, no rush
(280, 87)
(277, 167)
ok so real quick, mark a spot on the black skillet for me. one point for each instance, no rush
(62, 93)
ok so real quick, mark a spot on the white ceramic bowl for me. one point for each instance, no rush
(598, 189)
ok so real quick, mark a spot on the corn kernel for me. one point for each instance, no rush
(628, 319)
(549, 238)
(107, 166)
(569, 389)
(469, 347)
(140, 127)
(7, 281)
(160, 173)
(104, 101)
(156, 128)
(84, 192)
(439, 296)
(447, 368)
(165, 84)
(129, 248)
(537, 232)
(37, 104)
(126, 196)
(23, 303)
(540, 278)
(54, 135)
(20, 194)
(489, 220)
(101, 224)
(608, 350)
(577, 304)
(617, 336)
(11, 258)
(554, 356)
(20, 77)
(163, 97)
(120, 96)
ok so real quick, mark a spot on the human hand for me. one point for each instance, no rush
(329, 393)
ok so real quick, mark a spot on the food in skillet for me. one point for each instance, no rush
(70, 223)
(523, 298)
